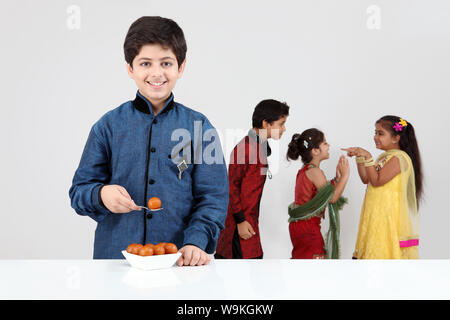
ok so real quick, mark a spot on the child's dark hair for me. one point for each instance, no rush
(407, 143)
(269, 110)
(154, 30)
(302, 144)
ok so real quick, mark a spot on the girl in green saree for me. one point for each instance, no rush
(313, 194)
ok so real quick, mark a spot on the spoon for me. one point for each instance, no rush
(152, 210)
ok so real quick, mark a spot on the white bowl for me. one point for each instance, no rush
(163, 261)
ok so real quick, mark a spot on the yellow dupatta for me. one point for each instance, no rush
(408, 220)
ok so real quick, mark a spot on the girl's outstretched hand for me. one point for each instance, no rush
(350, 151)
(358, 152)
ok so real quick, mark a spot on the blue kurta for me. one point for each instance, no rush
(131, 147)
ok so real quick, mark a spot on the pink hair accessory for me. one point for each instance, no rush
(398, 126)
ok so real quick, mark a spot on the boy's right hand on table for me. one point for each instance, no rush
(245, 230)
(117, 200)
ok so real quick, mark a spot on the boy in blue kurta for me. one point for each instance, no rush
(153, 147)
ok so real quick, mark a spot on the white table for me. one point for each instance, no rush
(226, 279)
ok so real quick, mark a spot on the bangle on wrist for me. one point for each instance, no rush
(360, 160)
(369, 163)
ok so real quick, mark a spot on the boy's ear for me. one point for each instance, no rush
(181, 69)
(130, 71)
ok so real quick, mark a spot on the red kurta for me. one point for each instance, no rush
(305, 235)
(246, 174)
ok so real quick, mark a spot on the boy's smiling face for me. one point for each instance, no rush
(155, 71)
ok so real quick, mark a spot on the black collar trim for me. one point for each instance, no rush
(264, 143)
(144, 106)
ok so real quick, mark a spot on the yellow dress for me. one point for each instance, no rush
(386, 227)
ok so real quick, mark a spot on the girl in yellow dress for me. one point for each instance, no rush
(388, 227)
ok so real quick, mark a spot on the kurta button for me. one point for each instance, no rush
(151, 181)
(149, 215)
(155, 121)
(153, 150)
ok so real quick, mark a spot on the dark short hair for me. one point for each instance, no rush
(154, 30)
(269, 110)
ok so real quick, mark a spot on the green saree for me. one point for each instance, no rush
(314, 208)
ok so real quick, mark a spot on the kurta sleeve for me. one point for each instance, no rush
(92, 174)
(210, 191)
(236, 173)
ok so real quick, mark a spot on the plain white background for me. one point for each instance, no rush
(340, 65)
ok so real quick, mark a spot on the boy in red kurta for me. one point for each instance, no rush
(247, 173)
